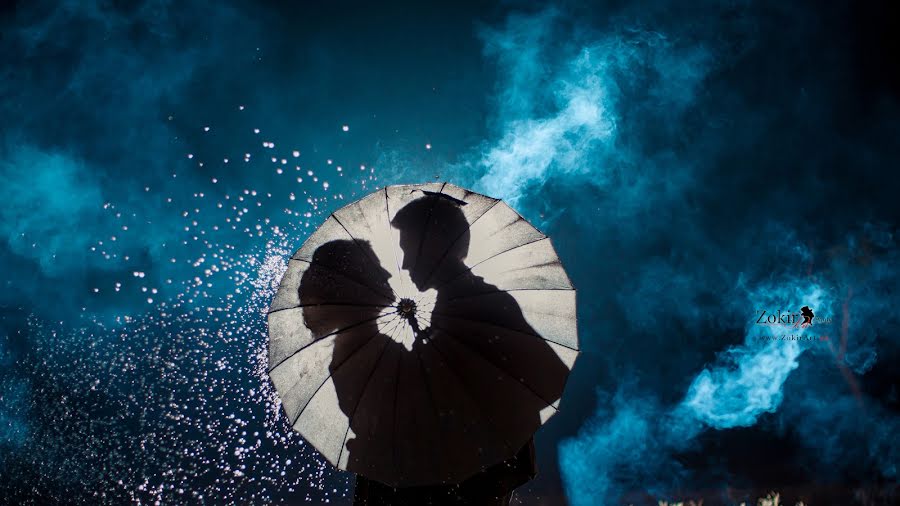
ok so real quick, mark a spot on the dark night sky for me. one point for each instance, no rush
(694, 163)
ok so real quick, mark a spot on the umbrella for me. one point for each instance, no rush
(422, 334)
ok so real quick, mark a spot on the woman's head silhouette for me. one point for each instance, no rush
(342, 272)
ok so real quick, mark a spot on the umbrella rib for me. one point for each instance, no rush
(430, 394)
(496, 366)
(329, 304)
(445, 315)
(425, 319)
(468, 392)
(356, 241)
(330, 374)
(395, 327)
(394, 451)
(446, 251)
(544, 264)
(479, 294)
(314, 341)
(495, 255)
(361, 394)
(418, 299)
(498, 290)
(387, 215)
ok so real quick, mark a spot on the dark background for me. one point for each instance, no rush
(694, 163)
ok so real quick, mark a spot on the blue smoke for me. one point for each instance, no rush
(614, 136)
(96, 149)
(48, 197)
(631, 445)
(748, 379)
(627, 446)
(736, 394)
(557, 106)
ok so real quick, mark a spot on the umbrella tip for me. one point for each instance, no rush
(406, 307)
(407, 310)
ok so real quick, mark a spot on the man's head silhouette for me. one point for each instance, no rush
(446, 241)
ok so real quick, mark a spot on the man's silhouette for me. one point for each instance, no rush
(508, 372)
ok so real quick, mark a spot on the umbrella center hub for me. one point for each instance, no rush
(406, 307)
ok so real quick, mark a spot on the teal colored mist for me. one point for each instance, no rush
(694, 163)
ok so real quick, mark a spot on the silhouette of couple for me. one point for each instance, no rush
(470, 393)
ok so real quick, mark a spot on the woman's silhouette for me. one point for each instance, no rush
(345, 295)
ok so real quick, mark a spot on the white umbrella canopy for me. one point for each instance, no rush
(422, 334)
